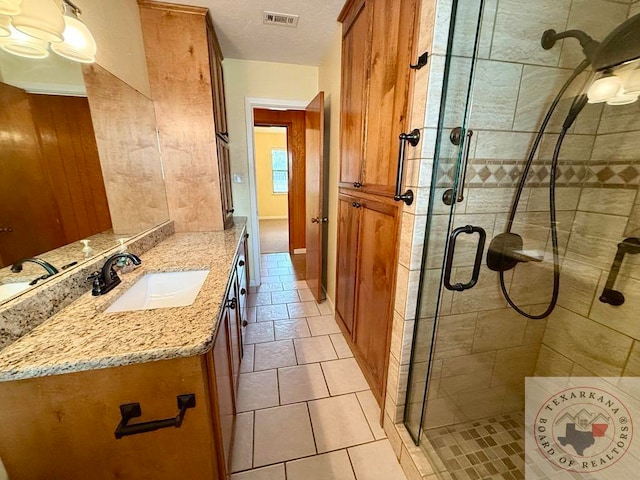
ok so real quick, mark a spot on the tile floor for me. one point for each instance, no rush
(305, 409)
(490, 448)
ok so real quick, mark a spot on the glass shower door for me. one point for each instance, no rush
(448, 242)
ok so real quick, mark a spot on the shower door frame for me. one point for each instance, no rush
(455, 186)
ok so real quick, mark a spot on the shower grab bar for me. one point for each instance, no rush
(613, 297)
(468, 229)
(413, 138)
(456, 139)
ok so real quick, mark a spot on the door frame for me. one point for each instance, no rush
(250, 103)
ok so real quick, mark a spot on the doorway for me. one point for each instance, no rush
(272, 184)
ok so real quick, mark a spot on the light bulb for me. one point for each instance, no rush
(24, 45)
(5, 23)
(78, 45)
(41, 19)
(604, 89)
(10, 7)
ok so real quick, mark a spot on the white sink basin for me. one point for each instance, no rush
(8, 290)
(161, 290)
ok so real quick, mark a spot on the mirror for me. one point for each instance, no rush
(79, 160)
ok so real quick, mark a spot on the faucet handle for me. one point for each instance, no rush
(95, 278)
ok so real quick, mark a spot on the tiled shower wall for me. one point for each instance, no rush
(484, 349)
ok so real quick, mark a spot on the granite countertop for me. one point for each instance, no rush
(83, 337)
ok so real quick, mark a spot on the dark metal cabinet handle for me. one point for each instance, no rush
(130, 411)
(231, 210)
(243, 291)
(468, 229)
(412, 138)
(319, 220)
(357, 184)
(245, 323)
(422, 61)
(6, 229)
(231, 303)
(456, 139)
(609, 295)
(356, 205)
(241, 263)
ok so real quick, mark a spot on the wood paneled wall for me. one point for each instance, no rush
(294, 121)
(51, 188)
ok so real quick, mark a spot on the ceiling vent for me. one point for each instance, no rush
(283, 19)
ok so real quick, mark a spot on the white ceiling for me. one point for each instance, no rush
(242, 34)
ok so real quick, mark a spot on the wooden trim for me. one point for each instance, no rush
(171, 7)
(350, 11)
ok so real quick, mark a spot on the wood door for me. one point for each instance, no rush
(348, 229)
(27, 205)
(376, 272)
(314, 200)
(393, 24)
(355, 68)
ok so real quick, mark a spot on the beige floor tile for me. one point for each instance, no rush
(265, 313)
(247, 359)
(257, 390)
(338, 422)
(323, 325)
(274, 355)
(282, 433)
(269, 287)
(295, 285)
(262, 298)
(314, 349)
(269, 279)
(242, 452)
(303, 309)
(259, 332)
(306, 295)
(274, 472)
(287, 296)
(329, 466)
(325, 308)
(371, 411)
(301, 383)
(296, 328)
(344, 376)
(375, 461)
(341, 346)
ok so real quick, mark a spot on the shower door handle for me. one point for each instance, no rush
(468, 229)
(456, 139)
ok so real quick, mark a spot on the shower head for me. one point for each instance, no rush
(621, 46)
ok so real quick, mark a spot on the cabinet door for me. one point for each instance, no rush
(348, 221)
(224, 386)
(393, 24)
(217, 84)
(377, 243)
(224, 168)
(354, 78)
(243, 289)
(233, 319)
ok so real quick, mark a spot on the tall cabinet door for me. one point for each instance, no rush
(377, 244)
(348, 223)
(393, 24)
(355, 65)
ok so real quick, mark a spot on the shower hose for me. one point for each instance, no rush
(577, 106)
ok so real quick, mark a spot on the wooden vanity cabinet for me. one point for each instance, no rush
(184, 62)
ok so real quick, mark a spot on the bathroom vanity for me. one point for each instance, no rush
(70, 387)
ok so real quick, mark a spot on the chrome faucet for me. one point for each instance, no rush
(105, 280)
(51, 270)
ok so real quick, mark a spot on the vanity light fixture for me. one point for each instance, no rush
(78, 45)
(5, 23)
(10, 7)
(40, 19)
(35, 25)
(23, 45)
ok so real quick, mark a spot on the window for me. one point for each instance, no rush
(279, 170)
